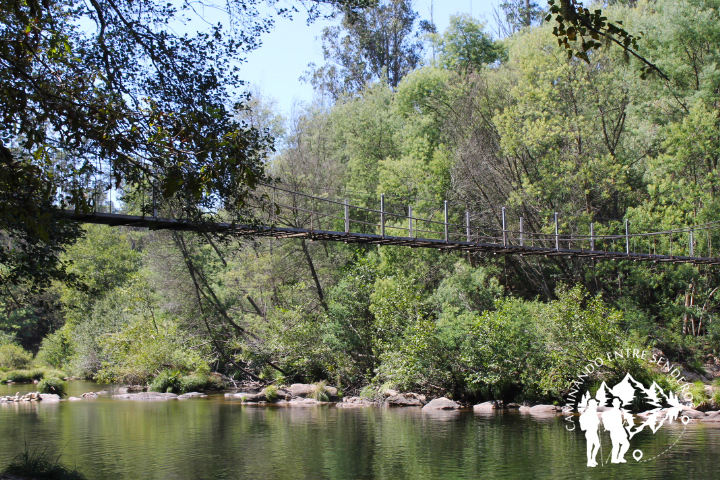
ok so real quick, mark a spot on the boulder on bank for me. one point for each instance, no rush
(304, 390)
(711, 417)
(692, 414)
(185, 396)
(131, 389)
(301, 389)
(49, 397)
(441, 403)
(355, 402)
(28, 397)
(405, 400)
(146, 396)
(490, 406)
(540, 409)
(252, 397)
(304, 402)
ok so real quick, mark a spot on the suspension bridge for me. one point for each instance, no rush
(290, 214)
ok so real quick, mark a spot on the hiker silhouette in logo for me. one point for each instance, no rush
(589, 423)
(614, 422)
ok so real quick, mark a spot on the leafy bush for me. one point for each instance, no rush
(195, 382)
(167, 382)
(14, 357)
(53, 385)
(56, 349)
(135, 353)
(41, 465)
(271, 393)
(319, 393)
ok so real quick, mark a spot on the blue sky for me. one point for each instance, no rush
(286, 51)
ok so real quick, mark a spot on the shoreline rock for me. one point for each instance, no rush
(441, 403)
(146, 396)
(405, 400)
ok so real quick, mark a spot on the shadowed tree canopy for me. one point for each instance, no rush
(111, 86)
(371, 44)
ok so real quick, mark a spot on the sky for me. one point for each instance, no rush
(276, 67)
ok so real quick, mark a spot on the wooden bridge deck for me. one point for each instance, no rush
(113, 219)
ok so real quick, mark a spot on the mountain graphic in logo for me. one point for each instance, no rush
(607, 408)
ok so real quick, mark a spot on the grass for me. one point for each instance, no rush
(319, 393)
(271, 393)
(41, 466)
(700, 396)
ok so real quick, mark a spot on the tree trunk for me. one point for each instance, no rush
(311, 265)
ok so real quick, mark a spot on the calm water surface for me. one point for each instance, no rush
(215, 438)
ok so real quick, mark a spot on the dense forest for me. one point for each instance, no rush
(483, 121)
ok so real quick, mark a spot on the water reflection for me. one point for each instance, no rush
(215, 438)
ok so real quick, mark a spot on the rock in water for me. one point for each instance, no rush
(441, 403)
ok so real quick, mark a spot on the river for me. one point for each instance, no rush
(218, 438)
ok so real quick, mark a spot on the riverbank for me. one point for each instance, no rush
(310, 395)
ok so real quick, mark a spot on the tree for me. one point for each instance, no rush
(576, 23)
(378, 43)
(518, 15)
(105, 94)
(465, 46)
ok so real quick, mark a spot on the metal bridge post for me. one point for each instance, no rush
(382, 215)
(522, 232)
(410, 228)
(627, 237)
(557, 237)
(446, 221)
(692, 247)
(592, 237)
(504, 227)
(347, 217)
(467, 225)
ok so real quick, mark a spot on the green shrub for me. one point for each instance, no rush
(41, 466)
(53, 385)
(700, 396)
(319, 393)
(167, 382)
(195, 382)
(369, 392)
(716, 398)
(697, 366)
(271, 393)
(56, 349)
(14, 357)
(20, 376)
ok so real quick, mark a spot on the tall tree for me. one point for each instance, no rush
(378, 43)
(517, 14)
